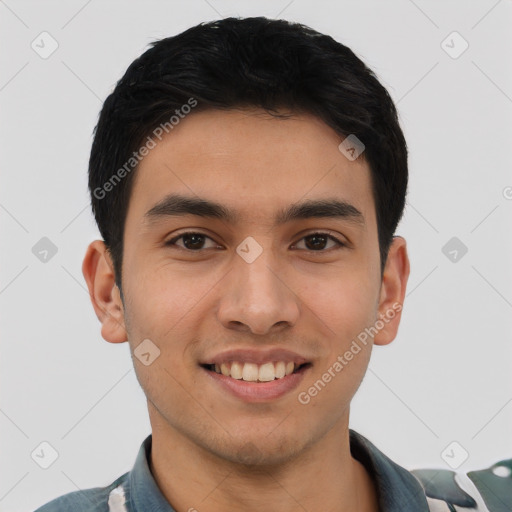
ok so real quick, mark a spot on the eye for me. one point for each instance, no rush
(316, 242)
(192, 241)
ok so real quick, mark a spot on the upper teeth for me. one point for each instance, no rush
(252, 372)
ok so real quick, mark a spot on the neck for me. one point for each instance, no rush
(325, 477)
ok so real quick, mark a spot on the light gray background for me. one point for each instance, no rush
(447, 375)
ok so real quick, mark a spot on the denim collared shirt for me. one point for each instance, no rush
(136, 491)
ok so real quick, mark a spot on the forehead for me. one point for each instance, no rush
(253, 163)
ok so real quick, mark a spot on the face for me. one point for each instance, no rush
(252, 303)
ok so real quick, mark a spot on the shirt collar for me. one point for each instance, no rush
(144, 493)
(397, 488)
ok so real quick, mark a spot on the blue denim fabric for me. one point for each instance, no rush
(397, 489)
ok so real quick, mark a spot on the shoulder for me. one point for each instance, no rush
(483, 490)
(88, 500)
(435, 490)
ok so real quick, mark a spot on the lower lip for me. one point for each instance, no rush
(259, 391)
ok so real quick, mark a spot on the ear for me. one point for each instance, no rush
(97, 269)
(392, 291)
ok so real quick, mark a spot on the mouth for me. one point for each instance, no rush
(253, 372)
(256, 376)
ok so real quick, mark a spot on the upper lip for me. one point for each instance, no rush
(256, 356)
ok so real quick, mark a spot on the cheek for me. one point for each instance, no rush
(167, 307)
(344, 302)
(162, 311)
(162, 298)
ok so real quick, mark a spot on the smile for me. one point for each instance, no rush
(252, 372)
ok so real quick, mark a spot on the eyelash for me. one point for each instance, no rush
(172, 241)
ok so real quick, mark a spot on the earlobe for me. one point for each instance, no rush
(392, 295)
(98, 272)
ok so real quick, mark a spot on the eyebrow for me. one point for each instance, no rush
(180, 205)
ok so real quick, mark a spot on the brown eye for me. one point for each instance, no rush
(191, 241)
(317, 242)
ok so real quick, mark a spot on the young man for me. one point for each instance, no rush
(247, 177)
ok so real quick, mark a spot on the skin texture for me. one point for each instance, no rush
(213, 451)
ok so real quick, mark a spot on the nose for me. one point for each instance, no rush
(256, 297)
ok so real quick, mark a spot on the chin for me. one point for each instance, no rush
(261, 452)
